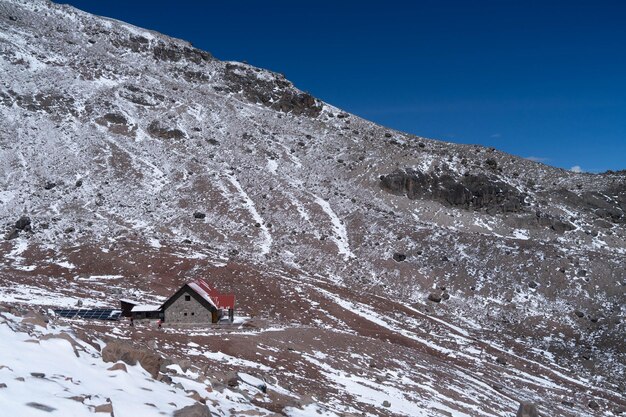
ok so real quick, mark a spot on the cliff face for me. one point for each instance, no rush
(136, 155)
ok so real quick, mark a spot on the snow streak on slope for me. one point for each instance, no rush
(340, 236)
(266, 244)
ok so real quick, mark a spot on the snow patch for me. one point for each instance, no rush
(340, 234)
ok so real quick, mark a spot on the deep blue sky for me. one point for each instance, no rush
(543, 79)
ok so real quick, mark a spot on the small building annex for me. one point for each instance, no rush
(194, 303)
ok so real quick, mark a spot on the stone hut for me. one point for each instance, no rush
(197, 302)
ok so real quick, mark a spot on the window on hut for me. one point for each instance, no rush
(188, 298)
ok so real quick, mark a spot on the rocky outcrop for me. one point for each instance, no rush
(271, 90)
(157, 130)
(560, 226)
(608, 205)
(471, 192)
(173, 52)
(116, 123)
(116, 351)
(140, 96)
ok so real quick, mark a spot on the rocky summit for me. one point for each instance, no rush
(379, 272)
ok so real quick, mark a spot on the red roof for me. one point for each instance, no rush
(212, 295)
(225, 301)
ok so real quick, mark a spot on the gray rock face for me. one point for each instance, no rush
(471, 192)
(275, 92)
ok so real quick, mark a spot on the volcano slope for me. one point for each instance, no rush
(391, 274)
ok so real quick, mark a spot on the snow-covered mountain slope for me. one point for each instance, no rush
(142, 162)
(47, 370)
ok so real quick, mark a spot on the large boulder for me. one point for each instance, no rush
(12, 234)
(527, 409)
(23, 223)
(196, 410)
(116, 351)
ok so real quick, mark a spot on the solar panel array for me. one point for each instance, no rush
(97, 314)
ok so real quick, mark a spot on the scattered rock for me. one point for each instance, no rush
(386, 404)
(254, 381)
(196, 410)
(104, 408)
(156, 130)
(41, 407)
(38, 374)
(118, 367)
(78, 398)
(13, 234)
(3, 385)
(501, 360)
(527, 409)
(232, 380)
(164, 365)
(533, 284)
(23, 223)
(194, 394)
(49, 185)
(164, 378)
(199, 215)
(491, 164)
(399, 257)
(593, 404)
(435, 298)
(184, 364)
(579, 313)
